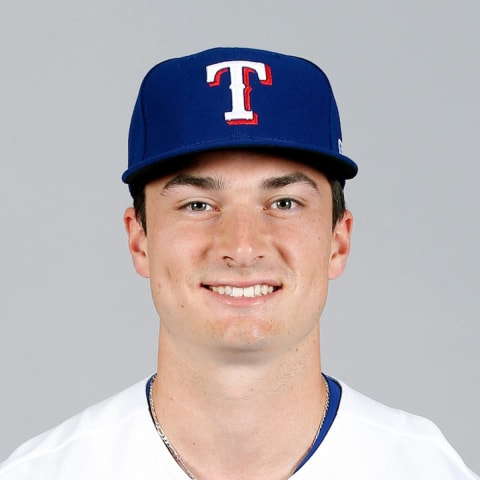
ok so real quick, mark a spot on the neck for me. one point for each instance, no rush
(251, 419)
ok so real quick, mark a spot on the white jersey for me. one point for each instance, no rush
(116, 440)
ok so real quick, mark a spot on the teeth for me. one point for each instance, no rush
(237, 292)
(250, 292)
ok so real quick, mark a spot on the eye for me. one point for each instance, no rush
(198, 206)
(284, 204)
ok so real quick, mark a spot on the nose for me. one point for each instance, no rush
(242, 238)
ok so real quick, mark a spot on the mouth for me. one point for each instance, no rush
(252, 291)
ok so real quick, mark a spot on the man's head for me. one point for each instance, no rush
(235, 166)
(235, 98)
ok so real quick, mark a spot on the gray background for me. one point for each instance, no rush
(402, 324)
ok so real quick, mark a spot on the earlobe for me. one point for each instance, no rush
(137, 242)
(340, 245)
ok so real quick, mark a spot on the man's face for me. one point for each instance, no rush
(239, 252)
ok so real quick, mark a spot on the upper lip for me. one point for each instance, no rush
(241, 283)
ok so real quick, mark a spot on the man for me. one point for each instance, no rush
(239, 222)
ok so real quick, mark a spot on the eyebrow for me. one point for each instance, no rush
(285, 180)
(204, 183)
(212, 183)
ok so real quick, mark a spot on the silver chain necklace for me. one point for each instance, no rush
(164, 438)
(177, 456)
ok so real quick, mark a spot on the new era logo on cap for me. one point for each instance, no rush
(239, 70)
(226, 98)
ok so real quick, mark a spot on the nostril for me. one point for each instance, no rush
(229, 261)
(242, 261)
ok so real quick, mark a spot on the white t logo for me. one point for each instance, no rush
(240, 70)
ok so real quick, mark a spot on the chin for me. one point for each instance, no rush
(246, 340)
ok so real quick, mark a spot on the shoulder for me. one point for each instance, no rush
(363, 411)
(384, 442)
(88, 435)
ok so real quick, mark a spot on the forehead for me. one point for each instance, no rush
(240, 166)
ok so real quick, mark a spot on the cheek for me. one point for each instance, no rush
(308, 248)
(311, 258)
(167, 283)
(166, 272)
(173, 258)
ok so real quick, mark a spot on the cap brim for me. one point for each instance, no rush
(335, 166)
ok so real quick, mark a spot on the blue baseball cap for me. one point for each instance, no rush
(226, 98)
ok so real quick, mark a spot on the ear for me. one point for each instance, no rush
(137, 242)
(340, 245)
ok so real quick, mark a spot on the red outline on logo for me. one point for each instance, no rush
(216, 80)
(246, 95)
(246, 92)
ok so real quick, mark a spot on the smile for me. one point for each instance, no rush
(249, 292)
